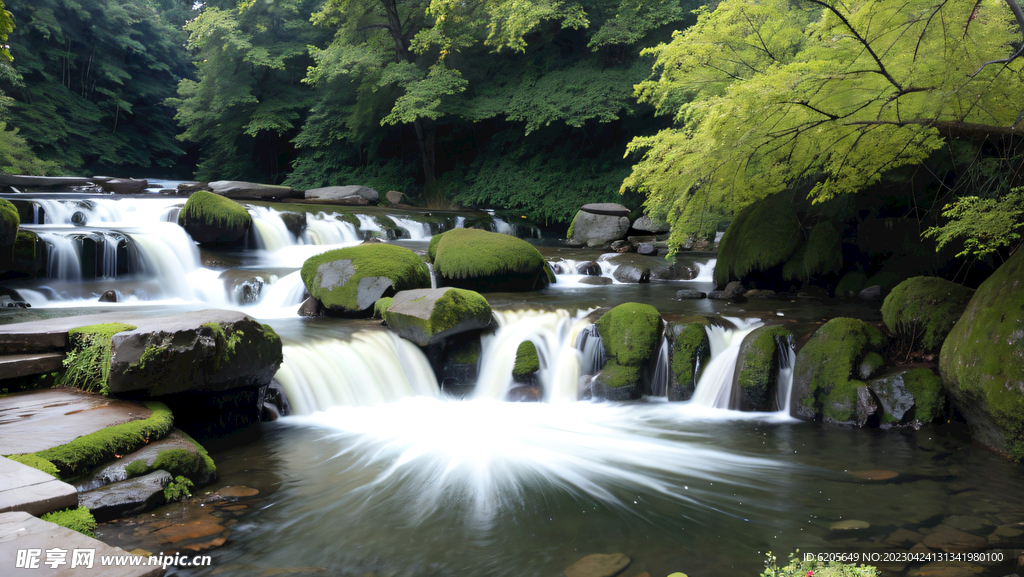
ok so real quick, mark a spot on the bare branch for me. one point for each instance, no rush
(881, 67)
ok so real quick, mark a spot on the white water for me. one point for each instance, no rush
(107, 210)
(416, 230)
(714, 390)
(553, 333)
(371, 369)
(63, 257)
(705, 271)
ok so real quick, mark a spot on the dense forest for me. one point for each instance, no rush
(692, 110)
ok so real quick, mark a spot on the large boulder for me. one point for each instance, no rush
(691, 351)
(982, 360)
(824, 383)
(212, 219)
(922, 310)
(354, 195)
(629, 334)
(202, 351)
(598, 229)
(485, 261)
(240, 190)
(762, 236)
(755, 381)
(428, 316)
(9, 222)
(605, 209)
(348, 281)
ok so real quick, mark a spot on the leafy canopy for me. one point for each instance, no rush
(766, 95)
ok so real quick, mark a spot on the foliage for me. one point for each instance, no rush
(89, 450)
(79, 519)
(763, 235)
(9, 223)
(798, 567)
(178, 489)
(922, 310)
(630, 332)
(402, 266)
(929, 394)
(17, 157)
(985, 225)
(87, 364)
(90, 82)
(766, 95)
(6, 27)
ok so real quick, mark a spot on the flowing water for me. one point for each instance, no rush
(378, 472)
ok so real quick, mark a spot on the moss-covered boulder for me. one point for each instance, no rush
(527, 363)
(821, 255)
(9, 222)
(381, 306)
(982, 360)
(824, 383)
(487, 262)
(691, 351)
(909, 396)
(348, 281)
(212, 219)
(762, 236)
(922, 310)
(629, 334)
(460, 362)
(25, 258)
(755, 380)
(428, 316)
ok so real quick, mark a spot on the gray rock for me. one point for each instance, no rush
(411, 313)
(647, 249)
(125, 185)
(394, 197)
(589, 268)
(371, 288)
(607, 209)
(343, 194)
(295, 222)
(867, 407)
(240, 190)
(28, 489)
(599, 565)
(190, 352)
(525, 394)
(599, 229)
(54, 183)
(335, 273)
(311, 307)
(128, 497)
(640, 268)
(110, 296)
(733, 291)
(690, 294)
(760, 294)
(596, 280)
(187, 188)
(717, 295)
(647, 224)
(872, 293)
(621, 246)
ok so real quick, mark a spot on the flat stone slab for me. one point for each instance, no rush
(14, 366)
(23, 488)
(37, 420)
(21, 531)
(128, 497)
(606, 209)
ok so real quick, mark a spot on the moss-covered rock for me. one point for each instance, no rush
(381, 306)
(762, 236)
(921, 311)
(9, 222)
(212, 219)
(691, 351)
(192, 462)
(630, 332)
(982, 360)
(428, 316)
(757, 368)
(348, 281)
(617, 382)
(23, 259)
(487, 262)
(37, 462)
(909, 396)
(822, 254)
(870, 364)
(87, 365)
(823, 383)
(527, 363)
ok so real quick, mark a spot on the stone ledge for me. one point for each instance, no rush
(25, 489)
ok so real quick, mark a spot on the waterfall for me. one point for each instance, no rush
(553, 333)
(715, 386)
(271, 231)
(592, 355)
(368, 224)
(784, 382)
(167, 253)
(662, 374)
(416, 230)
(94, 211)
(705, 271)
(501, 227)
(372, 368)
(328, 229)
(62, 256)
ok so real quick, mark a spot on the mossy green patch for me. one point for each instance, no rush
(851, 283)
(432, 247)
(36, 462)
(822, 254)
(982, 359)
(758, 365)
(572, 225)
(87, 364)
(922, 310)
(349, 218)
(89, 450)
(79, 519)
(527, 361)
(381, 306)
(630, 332)
(616, 376)
(929, 395)
(691, 351)
(178, 489)
(481, 260)
(465, 351)
(822, 379)
(9, 222)
(455, 310)
(328, 278)
(763, 235)
(870, 364)
(212, 218)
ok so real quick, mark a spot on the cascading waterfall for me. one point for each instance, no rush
(661, 374)
(368, 224)
(372, 368)
(705, 271)
(553, 333)
(714, 389)
(62, 255)
(784, 382)
(416, 230)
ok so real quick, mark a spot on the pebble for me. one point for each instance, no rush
(849, 524)
(598, 565)
(238, 491)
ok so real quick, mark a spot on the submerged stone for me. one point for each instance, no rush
(124, 498)
(598, 565)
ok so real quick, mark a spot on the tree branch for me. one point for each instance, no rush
(948, 127)
(1019, 15)
(881, 67)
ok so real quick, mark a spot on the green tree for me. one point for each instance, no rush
(769, 95)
